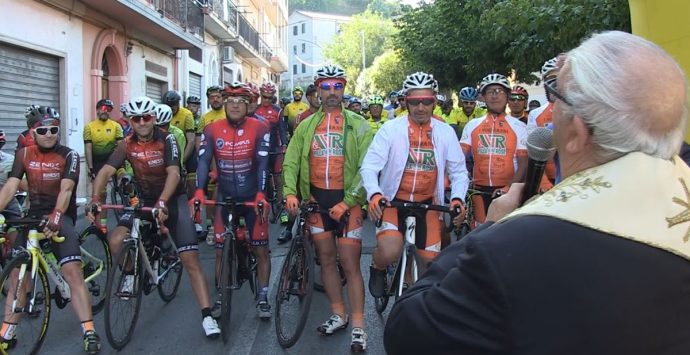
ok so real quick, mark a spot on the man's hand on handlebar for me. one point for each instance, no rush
(375, 209)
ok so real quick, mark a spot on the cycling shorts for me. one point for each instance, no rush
(429, 227)
(65, 252)
(352, 232)
(258, 231)
(179, 223)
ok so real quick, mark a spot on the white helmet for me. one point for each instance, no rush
(420, 80)
(549, 66)
(140, 106)
(491, 79)
(329, 71)
(163, 114)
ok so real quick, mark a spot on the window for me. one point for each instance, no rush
(294, 49)
(294, 69)
(304, 68)
(294, 30)
(304, 47)
(304, 26)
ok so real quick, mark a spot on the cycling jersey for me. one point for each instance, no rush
(375, 125)
(208, 118)
(539, 117)
(458, 117)
(400, 111)
(241, 155)
(180, 138)
(103, 136)
(149, 162)
(522, 118)
(292, 110)
(495, 141)
(271, 113)
(327, 153)
(25, 139)
(45, 170)
(184, 120)
(304, 115)
(418, 178)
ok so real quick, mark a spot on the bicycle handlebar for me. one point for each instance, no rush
(418, 206)
(155, 211)
(40, 223)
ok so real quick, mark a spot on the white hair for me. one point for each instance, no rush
(612, 80)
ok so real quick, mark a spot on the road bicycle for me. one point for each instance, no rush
(147, 260)
(409, 263)
(24, 282)
(277, 208)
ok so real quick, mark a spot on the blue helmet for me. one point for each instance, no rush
(468, 93)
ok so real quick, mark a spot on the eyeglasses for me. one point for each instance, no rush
(495, 92)
(516, 98)
(42, 131)
(236, 100)
(424, 100)
(328, 86)
(550, 87)
(141, 119)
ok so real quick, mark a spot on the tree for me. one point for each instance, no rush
(346, 48)
(386, 74)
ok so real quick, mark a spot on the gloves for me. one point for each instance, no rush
(199, 195)
(292, 204)
(338, 211)
(375, 211)
(54, 220)
(261, 199)
(162, 206)
(93, 208)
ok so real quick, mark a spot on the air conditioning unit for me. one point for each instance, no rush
(228, 54)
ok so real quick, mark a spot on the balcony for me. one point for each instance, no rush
(249, 44)
(220, 18)
(178, 24)
(279, 61)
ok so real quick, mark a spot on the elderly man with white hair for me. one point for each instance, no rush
(600, 264)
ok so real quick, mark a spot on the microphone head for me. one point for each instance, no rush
(540, 146)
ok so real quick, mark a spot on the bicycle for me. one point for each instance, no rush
(24, 280)
(469, 223)
(277, 208)
(148, 259)
(238, 263)
(409, 262)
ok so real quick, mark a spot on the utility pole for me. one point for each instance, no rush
(364, 56)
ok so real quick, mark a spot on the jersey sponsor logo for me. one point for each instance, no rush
(421, 160)
(51, 176)
(155, 162)
(328, 144)
(240, 132)
(173, 144)
(267, 137)
(219, 143)
(74, 160)
(492, 144)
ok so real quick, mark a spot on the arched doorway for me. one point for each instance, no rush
(108, 71)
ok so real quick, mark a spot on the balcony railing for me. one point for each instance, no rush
(265, 51)
(185, 13)
(225, 10)
(251, 36)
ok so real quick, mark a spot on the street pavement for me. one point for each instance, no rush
(175, 328)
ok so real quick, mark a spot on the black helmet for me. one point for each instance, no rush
(40, 114)
(171, 98)
(104, 102)
(212, 89)
(193, 99)
(285, 100)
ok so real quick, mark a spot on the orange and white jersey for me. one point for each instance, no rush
(495, 142)
(540, 117)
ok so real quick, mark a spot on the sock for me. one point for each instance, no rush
(263, 294)
(87, 325)
(206, 312)
(7, 330)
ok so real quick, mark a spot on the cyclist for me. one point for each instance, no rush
(239, 145)
(459, 117)
(283, 102)
(52, 171)
(406, 161)
(182, 119)
(26, 137)
(517, 103)
(163, 119)
(322, 163)
(155, 159)
(355, 105)
(496, 142)
(100, 139)
(376, 114)
(194, 105)
(392, 105)
(13, 209)
(124, 121)
(534, 104)
(314, 103)
(438, 109)
(293, 109)
(401, 110)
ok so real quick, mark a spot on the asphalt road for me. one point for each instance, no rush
(175, 328)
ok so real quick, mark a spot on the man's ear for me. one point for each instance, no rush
(579, 135)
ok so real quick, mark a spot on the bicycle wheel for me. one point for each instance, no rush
(95, 264)
(382, 302)
(29, 306)
(225, 286)
(123, 298)
(117, 197)
(171, 269)
(294, 292)
(318, 281)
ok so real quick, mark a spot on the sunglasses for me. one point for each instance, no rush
(328, 86)
(236, 100)
(516, 98)
(550, 87)
(424, 100)
(105, 108)
(494, 92)
(42, 131)
(141, 119)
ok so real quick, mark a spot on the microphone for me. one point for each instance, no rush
(540, 149)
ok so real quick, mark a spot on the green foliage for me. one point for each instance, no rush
(460, 41)
(337, 7)
(386, 74)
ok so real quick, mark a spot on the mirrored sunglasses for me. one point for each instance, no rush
(328, 86)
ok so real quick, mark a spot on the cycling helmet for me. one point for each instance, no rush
(27, 114)
(468, 93)
(420, 80)
(237, 89)
(163, 114)
(347, 97)
(171, 98)
(401, 93)
(268, 88)
(519, 90)
(298, 89)
(193, 99)
(285, 100)
(393, 94)
(104, 102)
(441, 98)
(376, 100)
(329, 71)
(43, 116)
(491, 79)
(548, 67)
(255, 90)
(3, 139)
(141, 106)
(123, 108)
(212, 89)
(354, 100)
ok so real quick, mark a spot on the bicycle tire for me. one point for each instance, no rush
(116, 277)
(117, 197)
(170, 283)
(318, 282)
(381, 303)
(94, 249)
(225, 286)
(36, 322)
(299, 264)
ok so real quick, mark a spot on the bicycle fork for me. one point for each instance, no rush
(409, 250)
